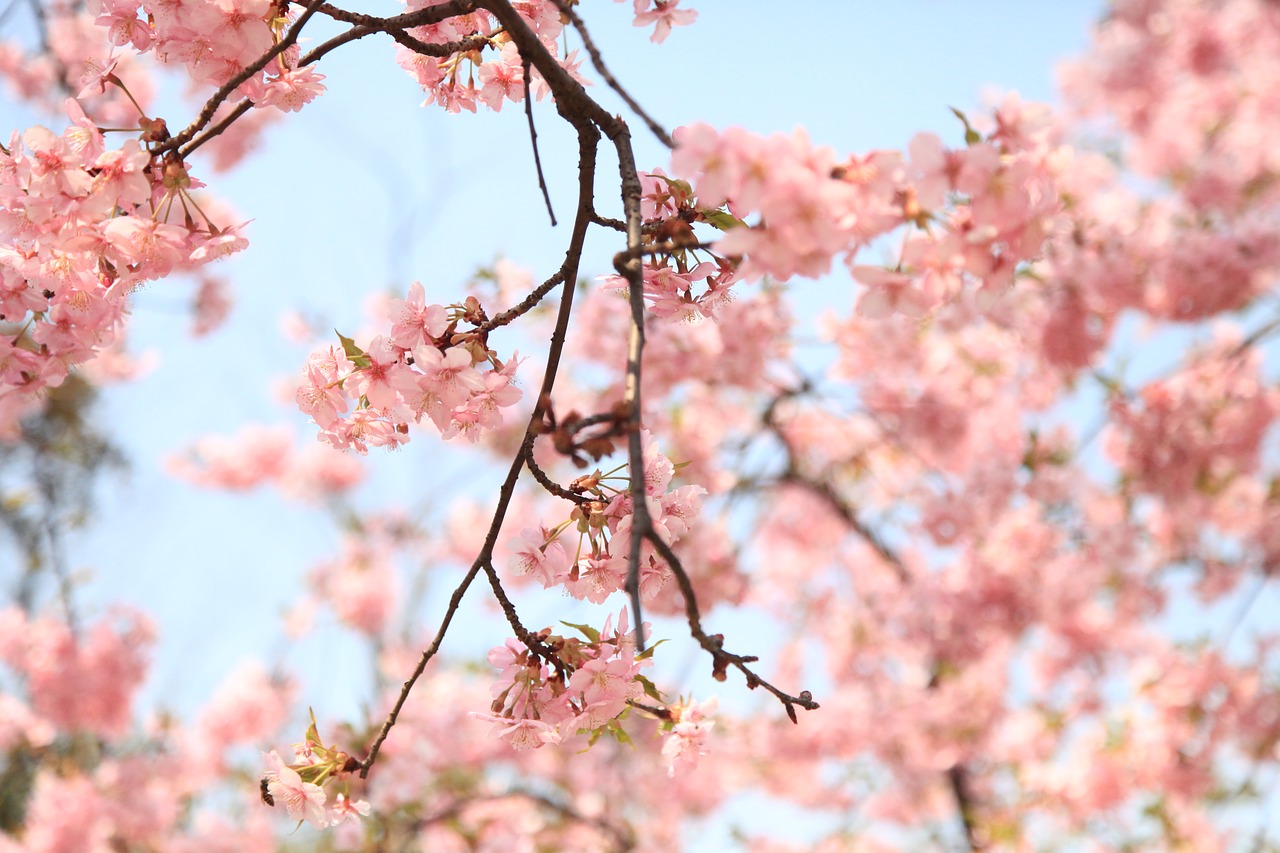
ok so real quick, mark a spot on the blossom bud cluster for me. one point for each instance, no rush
(301, 787)
(597, 568)
(424, 366)
(568, 687)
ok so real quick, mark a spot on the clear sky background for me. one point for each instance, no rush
(365, 191)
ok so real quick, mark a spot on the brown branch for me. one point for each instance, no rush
(597, 60)
(588, 138)
(409, 20)
(533, 138)
(590, 421)
(551, 485)
(217, 128)
(824, 490)
(472, 42)
(526, 305)
(454, 601)
(958, 781)
(531, 642)
(957, 774)
(608, 222)
(714, 643)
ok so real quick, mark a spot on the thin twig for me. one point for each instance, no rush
(609, 222)
(421, 18)
(714, 644)
(454, 601)
(531, 642)
(217, 128)
(359, 31)
(823, 489)
(623, 836)
(533, 138)
(551, 485)
(598, 62)
(588, 138)
(526, 305)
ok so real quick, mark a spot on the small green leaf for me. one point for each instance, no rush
(586, 630)
(313, 734)
(648, 653)
(619, 733)
(595, 736)
(722, 220)
(677, 184)
(650, 689)
(357, 355)
(971, 136)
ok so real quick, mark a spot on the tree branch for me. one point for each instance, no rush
(714, 644)
(588, 138)
(533, 138)
(551, 485)
(597, 61)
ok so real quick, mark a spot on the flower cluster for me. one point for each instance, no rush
(81, 226)
(814, 207)
(215, 41)
(1194, 432)
(75, 683)
(597, 569)
(301, 786)
(466, 78)
(663, 14)
(687, 731)
(451, 81)
(573, 687)
(423, 366)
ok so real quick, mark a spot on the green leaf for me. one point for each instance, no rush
(650, 689)
(313, 734)
(619, 733)
(648, 653)
(722, 220)
(971, 136)
(595, 736)
(586, 630)
(677, 184)
(357, 355)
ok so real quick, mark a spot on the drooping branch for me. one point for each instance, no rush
(714, 643)
(588, 138)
